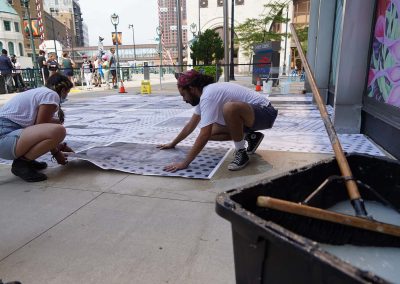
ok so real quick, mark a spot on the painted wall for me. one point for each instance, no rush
(384, 72)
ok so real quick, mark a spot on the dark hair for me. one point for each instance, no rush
(3, 51)
(42, 52)
(58, 82)
(199, 81)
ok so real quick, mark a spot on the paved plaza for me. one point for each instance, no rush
(89, 225)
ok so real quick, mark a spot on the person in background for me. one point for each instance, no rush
(42, 62)
(113, 68)
(87, 72)
(52, 64)
(19, 82)
(106, 70)
(100, 71)
(224, 111)
(6, 68)
(29, 128)
(68, 66)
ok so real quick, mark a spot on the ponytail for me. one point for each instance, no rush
(58, 82)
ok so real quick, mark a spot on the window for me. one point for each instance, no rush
(7, 25)
(21, 49)
(220, 3)
(1, 45)
(11, 48)
(239, 2)
(16, 25)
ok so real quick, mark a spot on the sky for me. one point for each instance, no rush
(142, 14)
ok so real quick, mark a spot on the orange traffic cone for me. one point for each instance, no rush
(122, 88)
(258, 85)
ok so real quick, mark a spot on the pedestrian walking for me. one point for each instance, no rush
(29, 128)
(42, 63)
(224, 111)
(68, 66)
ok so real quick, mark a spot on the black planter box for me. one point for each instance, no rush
(268, 251)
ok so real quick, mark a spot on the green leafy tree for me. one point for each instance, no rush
(302, 34)
(254, 31)
(208, 48)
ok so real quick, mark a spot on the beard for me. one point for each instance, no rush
(195, 101)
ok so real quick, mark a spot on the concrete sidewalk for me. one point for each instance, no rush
(86, 225)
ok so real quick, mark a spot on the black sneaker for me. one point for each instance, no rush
(38, 165)
(253, 141)
(23, 169)
(240, 161)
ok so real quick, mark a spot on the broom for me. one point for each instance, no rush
(356, 229)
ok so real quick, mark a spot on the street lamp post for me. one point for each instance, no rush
(115, 21)
(193, 30)
(133, 39)
(286, 38)
(25, 3)
(54, 33)
(159, 33)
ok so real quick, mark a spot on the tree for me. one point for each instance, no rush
(254, 31)
(208, 48)
(302, 34)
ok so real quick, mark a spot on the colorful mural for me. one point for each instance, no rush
(384, 72)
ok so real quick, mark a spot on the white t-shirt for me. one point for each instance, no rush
(23, 108)
(214, 97)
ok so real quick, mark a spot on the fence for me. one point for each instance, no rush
(33, 78)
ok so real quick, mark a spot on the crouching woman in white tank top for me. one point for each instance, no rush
(29, 128)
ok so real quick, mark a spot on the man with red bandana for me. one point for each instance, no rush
(223, 111)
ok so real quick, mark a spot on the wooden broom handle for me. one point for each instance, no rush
(316, 213)
(344, 167)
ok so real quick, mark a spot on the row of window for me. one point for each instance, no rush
(7, 26)
(11, 48)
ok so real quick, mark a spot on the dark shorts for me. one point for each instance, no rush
(68, 72)
(264, 117)
(113, 73)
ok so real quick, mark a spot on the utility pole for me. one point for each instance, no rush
(232, 65)
(179, 38)
(226, 42)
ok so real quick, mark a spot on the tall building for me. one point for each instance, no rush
(78, 23)
(168, 19)
(69, 13)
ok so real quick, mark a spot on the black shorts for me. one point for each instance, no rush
(68, 72)
(264, 117)
(113, 73)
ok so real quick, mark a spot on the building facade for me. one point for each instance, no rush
(169, 28)
(11, 37)
(208, 14)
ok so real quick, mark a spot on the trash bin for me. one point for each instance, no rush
(268, 250)
(267, 87)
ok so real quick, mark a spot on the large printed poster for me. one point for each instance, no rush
(384, 73)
